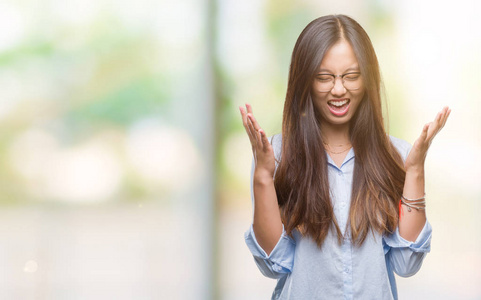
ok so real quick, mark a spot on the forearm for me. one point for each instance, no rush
(412, 222)
(267, 219)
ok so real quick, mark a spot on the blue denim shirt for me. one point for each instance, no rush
(303, 271)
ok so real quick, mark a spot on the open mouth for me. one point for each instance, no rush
(339, 107)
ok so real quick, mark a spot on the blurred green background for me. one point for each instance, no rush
(124, 166)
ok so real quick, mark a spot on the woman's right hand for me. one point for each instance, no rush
(261, 148)
(267, 223)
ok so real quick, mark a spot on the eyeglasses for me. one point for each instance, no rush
(351, 81)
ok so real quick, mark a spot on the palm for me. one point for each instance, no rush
(261, 148)
(418, 153)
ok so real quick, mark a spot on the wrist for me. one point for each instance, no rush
(415, 169)
(262, 177)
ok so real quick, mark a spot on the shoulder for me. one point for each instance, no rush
(276, 142)
(401, 146)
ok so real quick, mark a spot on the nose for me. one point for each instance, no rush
(338, 89)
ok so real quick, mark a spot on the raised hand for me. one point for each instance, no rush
(418, 153)
(261, 148)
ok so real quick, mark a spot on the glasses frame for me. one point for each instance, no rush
(334, 76)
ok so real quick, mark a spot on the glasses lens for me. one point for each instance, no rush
(325, 82)
(352, 81)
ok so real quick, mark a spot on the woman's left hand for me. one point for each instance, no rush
(417, 155)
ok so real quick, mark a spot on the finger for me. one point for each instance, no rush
(438, 119)
(446, 116)
(244, 117)
(254, 133)
(437, 124)
(246, 126)
(444, 112)
(265, 141)
(249, 108)
(433, 130)
(424, 133)
(256, 128)
(442, 121)
(443, 118)
(242, 111)
(260, 144)
(254, 121)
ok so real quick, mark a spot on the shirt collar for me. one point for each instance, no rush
(350, 155)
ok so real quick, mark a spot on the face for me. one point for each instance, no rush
(337, 105)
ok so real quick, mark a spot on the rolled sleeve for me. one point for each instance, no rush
(407, 257)
(279, 262)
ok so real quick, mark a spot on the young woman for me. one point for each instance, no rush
(339, 205)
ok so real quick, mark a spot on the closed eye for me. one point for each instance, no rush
(325, 77)
(351, 76)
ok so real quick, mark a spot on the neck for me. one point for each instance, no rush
(336, 134)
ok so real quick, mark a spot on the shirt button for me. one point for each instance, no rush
(343, 204)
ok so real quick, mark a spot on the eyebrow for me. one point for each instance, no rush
(347, 70)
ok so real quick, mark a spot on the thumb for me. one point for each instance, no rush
(424, 133)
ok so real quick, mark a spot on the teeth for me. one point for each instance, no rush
(338, 103)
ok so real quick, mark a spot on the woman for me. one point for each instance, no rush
(338, 204)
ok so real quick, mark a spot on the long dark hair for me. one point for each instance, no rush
(301, 179)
